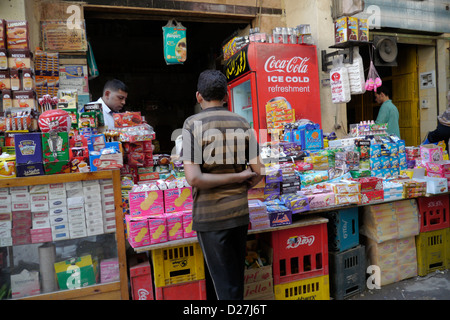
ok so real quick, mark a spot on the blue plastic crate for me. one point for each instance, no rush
(343, 230)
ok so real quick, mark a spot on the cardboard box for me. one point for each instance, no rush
(57, 167)
(258, 282)
(55, 147)
(146, 202)
(179, 199)
(25, 284)
(174, 226)
(158, 228)
(28, 147)
(138, 231)
(346, 29)
(141, 278)
(84, 266)
(188, 232)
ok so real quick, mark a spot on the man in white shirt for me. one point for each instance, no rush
(115, 93)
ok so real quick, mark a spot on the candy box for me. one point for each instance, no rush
(158, 228)
(109, 270)
(431, 153)
(28, 147)
(346, 186)
(280, 218)
(174, 226)
(273, 175)
(138, 231)
(295, 202)
(187, 225)
(372, 196)
(178, 199)
(321, 200)
(55, 146)
(146, 202)
(375, 150)
(439, 166)
(76, 273)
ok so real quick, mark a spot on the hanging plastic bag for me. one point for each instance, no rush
(92, 65)
(174, 37)
(356, 73)
(373, 79)
(340, 85)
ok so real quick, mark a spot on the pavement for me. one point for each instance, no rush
(433, 286)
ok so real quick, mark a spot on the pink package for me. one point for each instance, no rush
(321, 200)
(187, 225)
(179, 199)
(138, 231)
(109, 270)
(174, 225)
(146, 202)
(158, 229)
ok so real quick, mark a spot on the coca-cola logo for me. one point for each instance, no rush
(437, 203)
(294, 242)
(292, 65)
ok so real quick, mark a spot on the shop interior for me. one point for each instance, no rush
(132, 50)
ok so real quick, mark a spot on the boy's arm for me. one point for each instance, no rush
(257, 167)
(196, 178)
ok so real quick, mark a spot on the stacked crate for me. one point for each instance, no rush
(390, 230)
(178, 273)
(433, 241)
(300, 262)
(346, 255)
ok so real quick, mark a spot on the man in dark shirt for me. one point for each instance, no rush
(217, 146)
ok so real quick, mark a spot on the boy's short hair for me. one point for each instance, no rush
(115, 85)
(212, 85)
(385, 90)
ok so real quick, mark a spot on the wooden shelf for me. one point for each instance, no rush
(107, 291)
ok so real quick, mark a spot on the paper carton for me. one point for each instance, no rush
(179, 199)
(25, 284)
(158, 228)
(76, 273)
(138, 231)
(146, 202)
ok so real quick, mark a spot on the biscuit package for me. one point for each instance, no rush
(174, 37)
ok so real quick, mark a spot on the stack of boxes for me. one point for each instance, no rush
(433, 241)
(346, 255)
(28, 149)
(389, 231)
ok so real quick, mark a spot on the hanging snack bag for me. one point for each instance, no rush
(174, 37)
(340, 84)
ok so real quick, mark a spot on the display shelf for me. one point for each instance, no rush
(109, 290)
(303, 221)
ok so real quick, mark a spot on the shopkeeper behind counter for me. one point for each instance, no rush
(115, 94)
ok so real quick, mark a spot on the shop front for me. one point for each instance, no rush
(91, 212)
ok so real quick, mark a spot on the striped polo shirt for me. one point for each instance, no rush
(220, 141)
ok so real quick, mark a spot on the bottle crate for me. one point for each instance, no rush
(433, 251)
(316, 288)
(347, 272)
(177, 264)
(434, 213)
(299, 253)
(194, 290)
(140, 277)
(343, 229)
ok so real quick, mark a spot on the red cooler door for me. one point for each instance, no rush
(242, 99)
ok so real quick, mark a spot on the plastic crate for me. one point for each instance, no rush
(299, 253)
(178, 264)
(141, 278)
(316, 288)
(347, 272)
(343, 229)
(433, 251)
(434, 213)
(194, 290)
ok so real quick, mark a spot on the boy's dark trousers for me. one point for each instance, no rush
(224, 253)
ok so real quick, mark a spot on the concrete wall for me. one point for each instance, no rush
(317, 13)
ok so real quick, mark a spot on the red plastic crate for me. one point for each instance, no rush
(434, 213)
(141, 278)
(299, 253)
(194, 290)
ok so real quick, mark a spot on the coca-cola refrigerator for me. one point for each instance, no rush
(264, 78)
